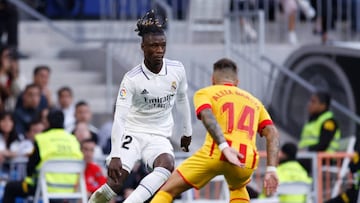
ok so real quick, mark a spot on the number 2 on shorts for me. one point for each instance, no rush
(127, 140)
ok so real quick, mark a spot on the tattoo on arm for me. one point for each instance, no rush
(212, 126)
(272, 144)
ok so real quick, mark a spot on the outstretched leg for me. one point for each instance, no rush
(163, 166)
(172, 188)
(109, 190)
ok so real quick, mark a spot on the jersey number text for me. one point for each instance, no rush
(245, 122)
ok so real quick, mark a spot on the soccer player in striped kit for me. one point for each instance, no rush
(232, 117)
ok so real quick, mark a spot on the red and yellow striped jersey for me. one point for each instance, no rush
(240, 116)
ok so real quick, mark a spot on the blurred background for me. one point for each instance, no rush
(284, 51)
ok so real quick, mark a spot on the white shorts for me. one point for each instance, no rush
(143, 146)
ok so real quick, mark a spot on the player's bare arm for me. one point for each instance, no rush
(271, 180)
(272, 144)
(212, 126)
(216, 133)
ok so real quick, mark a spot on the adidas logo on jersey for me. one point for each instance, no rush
(144, 92)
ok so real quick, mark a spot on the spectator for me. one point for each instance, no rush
(324, 18)
(5, 65)
(66, 105)
(82, 132)
(8, 24)
(290, 8)
(28, 110)
(94, 176)
(8, 136)
(239, 5)
(51, 144)
(41, 76)
(18, 81)
(42, 116)
(83, 114)
(36, 126)
(26, 144)
(321, 132)
(290, 170)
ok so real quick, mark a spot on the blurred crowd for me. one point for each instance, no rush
(24, 106)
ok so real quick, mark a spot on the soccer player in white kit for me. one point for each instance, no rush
(143, 120)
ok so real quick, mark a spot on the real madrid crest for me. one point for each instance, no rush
(173, 86)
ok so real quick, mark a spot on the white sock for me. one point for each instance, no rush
(102, 195)
(149, 185)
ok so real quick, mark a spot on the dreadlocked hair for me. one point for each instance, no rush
(149, 23)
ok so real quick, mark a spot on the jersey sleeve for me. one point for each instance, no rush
(183, 86)
(183, 104)
(123, 103)
(201, 101)
(264, 119)
(126, 92)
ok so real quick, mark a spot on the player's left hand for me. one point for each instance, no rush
(185, 142)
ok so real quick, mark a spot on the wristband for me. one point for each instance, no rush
(223, 145)
(271, 169)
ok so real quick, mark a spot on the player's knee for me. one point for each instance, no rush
(165, 161)
(170, 167)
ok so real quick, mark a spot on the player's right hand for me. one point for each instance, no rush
(114, 169)
(271, 182)
(233, 156)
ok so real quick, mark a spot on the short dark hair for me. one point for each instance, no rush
(324, 97)
(225, 63)
(13, 135)
(4, 48)
(34, 121)
(64, 89)
(55, 118)
(81, 103)
(29, 86)
(88, 140)
(150, 24)
(290, 150)
(40, 68)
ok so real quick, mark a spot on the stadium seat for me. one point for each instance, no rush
(75, 167)
(60, 9)
(95, 9)
(207, 16)
(133, 9)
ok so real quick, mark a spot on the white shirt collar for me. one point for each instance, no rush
(148, 74)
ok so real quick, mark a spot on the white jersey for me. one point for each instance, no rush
(150, 97)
